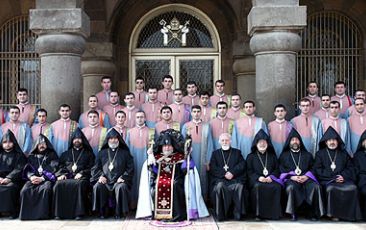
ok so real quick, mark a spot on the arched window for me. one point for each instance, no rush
(331, 51)
(178, 40)
(19, 63)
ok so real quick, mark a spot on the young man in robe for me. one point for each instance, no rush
(27, 110)
(166, 122)
(130, 109)
(221, 124)
(323, 112)
(219, 94)
(359, 160)
(165, 95)
(308, 126)
(181, 110)
(357, 123)
(93, 132)
(120, 126)
(192, 98)
(279, 129)
(344, 100)
(335, 172)
(263, 173)
(152, 108)
(359, 93)
(93, 105)
(301, 186)
(202, 145)
(62, 129)
(207, 111)
(103, 96)
(42, 127)
(21, 130)
(12, 161)
(339, 124)
(112, 175)
(235, 112)
(228, 181)
(246, 128)
(36, 194)
(140, 94)
(315, 100)
(174, 193)
(70, 193)
(139, 139)
(112, 107)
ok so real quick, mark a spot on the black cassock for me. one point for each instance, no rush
(71, 195)
(359, 159)
(228, 196)
(308, 192)
(36, 199)
(265, 197)
(11, 166)
(113, 193)
(341, 199)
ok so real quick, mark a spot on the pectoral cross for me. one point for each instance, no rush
(226, 167)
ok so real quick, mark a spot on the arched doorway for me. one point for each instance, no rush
(19, 63)
(179, 40)
(332, 51)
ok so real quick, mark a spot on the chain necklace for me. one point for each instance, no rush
(74, 165)
(40, 168)
(297, 170)
(333, 166)
(265, 171)
(111, 163)
(226, 167)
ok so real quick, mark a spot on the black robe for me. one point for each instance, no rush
(359, 159)
(36, 200)
(300, 193)
(71, 196)
(265, 197)
(341, 199)
(228, 196)
(123, 167)
(11, 166)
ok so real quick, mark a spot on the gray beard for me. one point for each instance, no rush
(113, 145)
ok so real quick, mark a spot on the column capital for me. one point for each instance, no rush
(60, 44)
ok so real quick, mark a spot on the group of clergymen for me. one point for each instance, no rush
(135, 156)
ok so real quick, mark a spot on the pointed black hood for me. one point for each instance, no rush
(169, 137)
(362, 138)
(42, 138)
(79, 134)
(331, 133)
(292, 134)
(113, 133)
(9, 135)
(261, 135)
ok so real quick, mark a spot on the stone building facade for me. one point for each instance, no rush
(266, 50)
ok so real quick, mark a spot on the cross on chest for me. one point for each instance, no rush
(164, 203)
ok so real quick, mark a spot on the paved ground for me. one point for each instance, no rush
(111, 224)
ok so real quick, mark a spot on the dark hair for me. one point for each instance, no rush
(312, 82)
(220, 81)
(339, 83)
(221, 103)
(152, 87)
(130, 93)
(304, 99)
(139, 78)
(359, 98)
(325, 95)
(14, 107)
(280, 106)
(192, 83)
(120, 111)
(235, 94)
(205, 93)
(64, 105)
(41, 110)
(335, 102)
(166, 107)
(106, 78)
(93, 96)
(167, 76)
(22, 90)
(93, 112)
(249, 101)
(196, 107)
